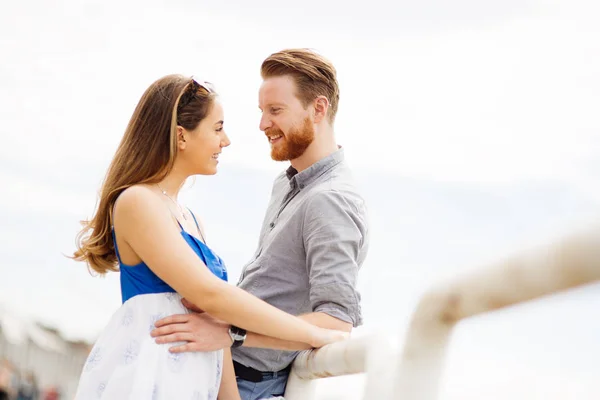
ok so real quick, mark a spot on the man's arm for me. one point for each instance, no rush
(335, 234)
(327, 321)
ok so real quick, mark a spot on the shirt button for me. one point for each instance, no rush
(302, 186)
(272, 225)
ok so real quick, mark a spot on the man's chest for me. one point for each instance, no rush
(280, 250)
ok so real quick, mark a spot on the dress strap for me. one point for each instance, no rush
(176, 219)
(197, 225)
(112, 231)
(114, 236)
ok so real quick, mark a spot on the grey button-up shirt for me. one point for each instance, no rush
(313, 241)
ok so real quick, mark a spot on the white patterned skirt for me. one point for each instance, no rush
(126, 363)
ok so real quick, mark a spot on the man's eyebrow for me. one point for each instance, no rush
(273, 104)
(219, 122)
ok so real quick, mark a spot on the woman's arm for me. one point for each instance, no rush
(228, 389)
(205, 333)
(144, 222)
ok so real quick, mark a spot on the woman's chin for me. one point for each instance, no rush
(208, 171)
(212, 171)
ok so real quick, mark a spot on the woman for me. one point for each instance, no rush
(140, 229)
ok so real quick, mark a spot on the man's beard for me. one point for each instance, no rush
(294, 144)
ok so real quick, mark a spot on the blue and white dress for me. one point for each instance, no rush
(126, 362)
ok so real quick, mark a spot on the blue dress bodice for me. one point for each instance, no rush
(139, 279)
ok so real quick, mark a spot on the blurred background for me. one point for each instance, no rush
(472, 128)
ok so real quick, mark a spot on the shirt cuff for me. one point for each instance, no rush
(339, 301)
(338, 312)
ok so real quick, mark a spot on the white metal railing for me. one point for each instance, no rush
(418, 369)
(353, 356)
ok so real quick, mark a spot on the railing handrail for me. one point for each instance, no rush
(352, 356)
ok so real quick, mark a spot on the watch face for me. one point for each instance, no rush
(236, 335)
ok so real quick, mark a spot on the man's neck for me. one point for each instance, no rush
(314, 153)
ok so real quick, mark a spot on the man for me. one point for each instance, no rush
(314, 238)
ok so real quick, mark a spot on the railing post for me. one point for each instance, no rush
(421, 360)
(381, 360)
(300, 389)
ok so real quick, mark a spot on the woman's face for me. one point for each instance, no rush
(201, 147)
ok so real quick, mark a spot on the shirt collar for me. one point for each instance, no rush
(304, 178)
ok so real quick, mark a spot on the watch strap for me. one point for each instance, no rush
(238, 336)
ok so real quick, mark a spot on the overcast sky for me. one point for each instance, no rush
(472, 127)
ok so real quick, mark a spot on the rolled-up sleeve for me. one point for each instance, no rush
(335, 231)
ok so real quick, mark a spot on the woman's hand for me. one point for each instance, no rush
(322, 337)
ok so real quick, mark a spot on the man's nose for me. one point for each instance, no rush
(265, 123)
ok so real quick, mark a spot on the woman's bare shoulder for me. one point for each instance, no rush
(136, 194)
(138, 201)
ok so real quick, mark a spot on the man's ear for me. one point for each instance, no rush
(180, 138)
(321, 108)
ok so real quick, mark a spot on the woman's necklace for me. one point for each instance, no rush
(181, 210)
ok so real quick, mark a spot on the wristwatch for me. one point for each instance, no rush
(238, 335)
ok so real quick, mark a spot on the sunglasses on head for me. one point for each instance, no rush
(191, 89)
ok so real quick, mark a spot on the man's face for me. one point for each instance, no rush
(285, 121)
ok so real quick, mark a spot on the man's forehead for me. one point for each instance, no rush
(277, 89)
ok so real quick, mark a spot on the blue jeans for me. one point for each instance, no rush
(271, 386)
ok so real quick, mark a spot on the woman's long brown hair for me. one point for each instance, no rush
(146, 154)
